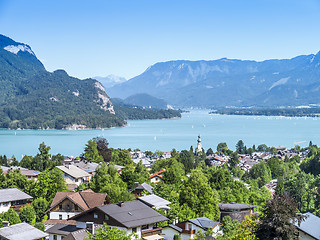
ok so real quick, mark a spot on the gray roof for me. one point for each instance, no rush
(80, 234)
(155, 201)
(21, 231)
(132, 214)
(73, 171)
(310, 225)
(203, 222)
(175, 227)
(13, 194)
(87, 165)
(147, 187)
(62, 229)
(235, 206)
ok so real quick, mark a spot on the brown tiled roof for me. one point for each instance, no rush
(86, 199)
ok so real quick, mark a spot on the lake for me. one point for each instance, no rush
(170, 133)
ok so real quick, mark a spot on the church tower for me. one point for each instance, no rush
(199, 146)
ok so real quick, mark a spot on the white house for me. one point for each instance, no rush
(75, 174)
(11, 197)
(187, 229)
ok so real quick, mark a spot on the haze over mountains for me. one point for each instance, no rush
(226, 82)
(110, 80)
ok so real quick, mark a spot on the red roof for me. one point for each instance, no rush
(157, 174)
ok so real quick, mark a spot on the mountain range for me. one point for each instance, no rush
(33, 98)
(229, 82)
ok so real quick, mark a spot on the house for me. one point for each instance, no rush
(30, 174)
(13, 198)
(157, 177)
(68, 204)
(309, 228)
(188, 229)
(133, 216)
(139, 188)
(21, 231)
(236, 211)
(75, 174)
(155, 201)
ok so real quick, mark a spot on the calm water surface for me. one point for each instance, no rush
(167, 134)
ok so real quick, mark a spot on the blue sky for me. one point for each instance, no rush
(97, 38)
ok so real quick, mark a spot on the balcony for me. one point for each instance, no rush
(150, 232)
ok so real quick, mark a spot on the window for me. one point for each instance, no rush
(134, 229)
(60, 217)
(60, 207)
(76, 180)
(106, 217)
(95, 215)
(144, 227)
(54, 237)
(76, 207)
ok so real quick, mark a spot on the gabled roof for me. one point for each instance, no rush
(85, 200)
(157, 174)
(147, 187)
(80, 234)
(13, 194)
(129, 214)
(155, 201)
(21, 231)
(73, 171)
(235, 206)
(62, 229)
(310, 225)
(204, 222)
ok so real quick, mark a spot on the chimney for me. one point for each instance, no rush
(5, 223)
(90, 227)
(136, 184)
(120, 204)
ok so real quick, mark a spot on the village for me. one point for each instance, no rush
(78, 212)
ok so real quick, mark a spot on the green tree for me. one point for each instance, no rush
(299, 186)
(91, 152)
(111, 233)
(40, 206)
(209, 152)
(26, 162)
(240, 147)
(40, 226)
(48, 184)
(197, 194)
(187, 159)
(229, 228)
(28, 214)
(107, 180)
(121, 157)
(11, 216)
(234, 160)
(223, 148)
